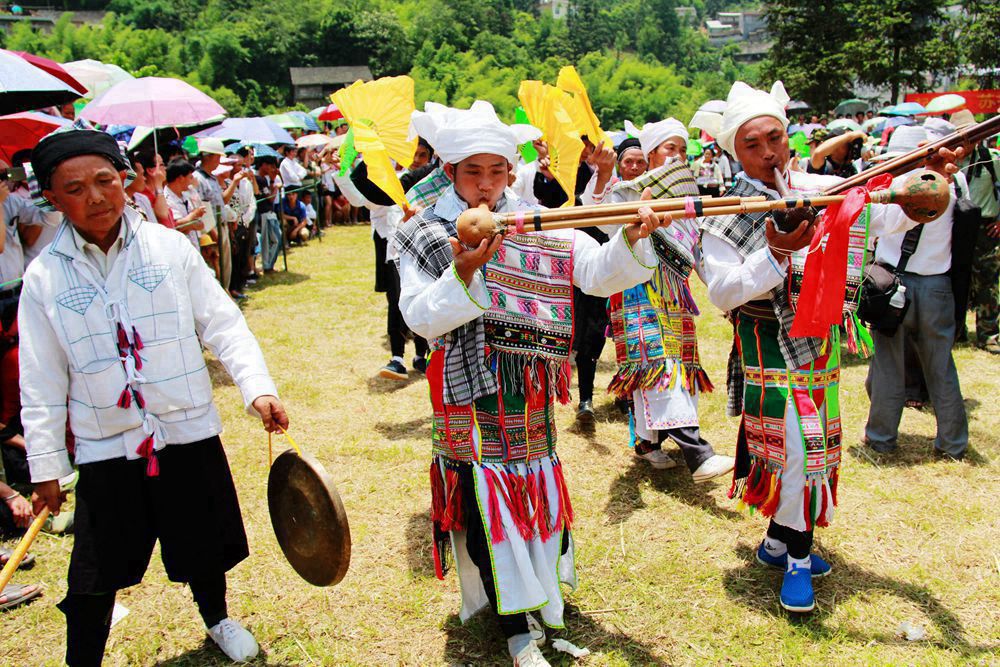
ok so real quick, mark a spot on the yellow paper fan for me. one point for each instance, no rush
(582, 112)
(379, 114)
(546, 109)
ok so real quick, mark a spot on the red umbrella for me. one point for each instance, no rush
(330, 113)
(53, 68)
(19, 131)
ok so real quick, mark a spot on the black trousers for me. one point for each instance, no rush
(799, 542)
(478, 547)
(88, 617)
(696, 449)
(395, 324)
(590, 322)
(243, 244)
(190, 507)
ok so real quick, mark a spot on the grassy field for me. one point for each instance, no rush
(666, 567)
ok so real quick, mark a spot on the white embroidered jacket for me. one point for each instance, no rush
(69, 356)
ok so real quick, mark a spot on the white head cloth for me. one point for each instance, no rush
(744, 103)
(457, 134)
(937, 128)
(653, 134)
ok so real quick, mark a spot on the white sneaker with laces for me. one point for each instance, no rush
(234, 640)
(530, 656)
(537, 631)
(659, 459)
(713, 467)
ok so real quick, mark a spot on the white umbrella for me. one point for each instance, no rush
(24, 87)
(945, 103)
(96, 76)
(846, 123)
(313, 141)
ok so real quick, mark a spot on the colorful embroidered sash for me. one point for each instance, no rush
(770, 390)
(529, 327)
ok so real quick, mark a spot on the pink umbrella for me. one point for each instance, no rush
(19, 131)
(152, 102)
(53, 68)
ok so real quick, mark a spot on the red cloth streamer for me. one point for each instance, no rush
(147, 451)
(821, 300)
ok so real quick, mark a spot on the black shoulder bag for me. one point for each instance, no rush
(880, 284)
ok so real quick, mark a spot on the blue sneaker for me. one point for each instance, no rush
(820, 568)
(797, 590)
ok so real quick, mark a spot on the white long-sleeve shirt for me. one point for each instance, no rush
(69, 358)
(432, 307)
(733, 280)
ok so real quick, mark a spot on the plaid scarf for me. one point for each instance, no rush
(746, 232)
(670, 180)
(427, 191)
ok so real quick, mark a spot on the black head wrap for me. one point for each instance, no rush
(627, 143)
(58, 147)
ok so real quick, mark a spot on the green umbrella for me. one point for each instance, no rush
(287, 121)
(851, 106)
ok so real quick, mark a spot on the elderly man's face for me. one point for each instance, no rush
(632, 164)
(88, 190)
(674, 147)
(209, 161)
(762, 147)
(480, 179)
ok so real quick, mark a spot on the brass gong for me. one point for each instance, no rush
(308, 518)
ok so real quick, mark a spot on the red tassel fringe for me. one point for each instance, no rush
(147, 451)
(545, 526)
(497, 534)
(125, 399)
(565, 507)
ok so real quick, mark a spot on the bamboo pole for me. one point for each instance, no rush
(22, 548)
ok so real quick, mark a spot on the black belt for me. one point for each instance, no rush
(761, 310)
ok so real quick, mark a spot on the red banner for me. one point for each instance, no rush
(976, 101)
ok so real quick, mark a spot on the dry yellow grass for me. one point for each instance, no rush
(666, 568)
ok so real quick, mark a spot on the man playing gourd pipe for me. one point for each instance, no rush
(501, 319)
(785, 388)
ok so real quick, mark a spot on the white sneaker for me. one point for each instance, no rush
(530, 656)
(713, 467)
(659, 459)
(537, 631)
(234, 640)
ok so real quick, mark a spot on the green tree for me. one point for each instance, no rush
(900, 42)
(980, 40)
(812, 63)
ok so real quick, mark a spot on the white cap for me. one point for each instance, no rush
(457, 134)
(653, 134)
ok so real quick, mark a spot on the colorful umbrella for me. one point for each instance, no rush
(287, 121)
(314, 141)
(24, 87)
(851, 106)
(873, 124)
(96, 76)
(310, 122)
(846, 123)
(53, 68)
(904, 109)
(329, 113)
(22, 131)
(259, 150)
(250, 130)
(152, 102)
(945, 103)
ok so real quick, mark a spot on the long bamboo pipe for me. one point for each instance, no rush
(923, 195)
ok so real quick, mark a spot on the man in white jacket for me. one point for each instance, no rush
(112, 320)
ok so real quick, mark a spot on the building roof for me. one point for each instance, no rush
(311, 76)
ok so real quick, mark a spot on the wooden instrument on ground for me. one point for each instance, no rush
(22, 548)
(923, 195)
(308, 518)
